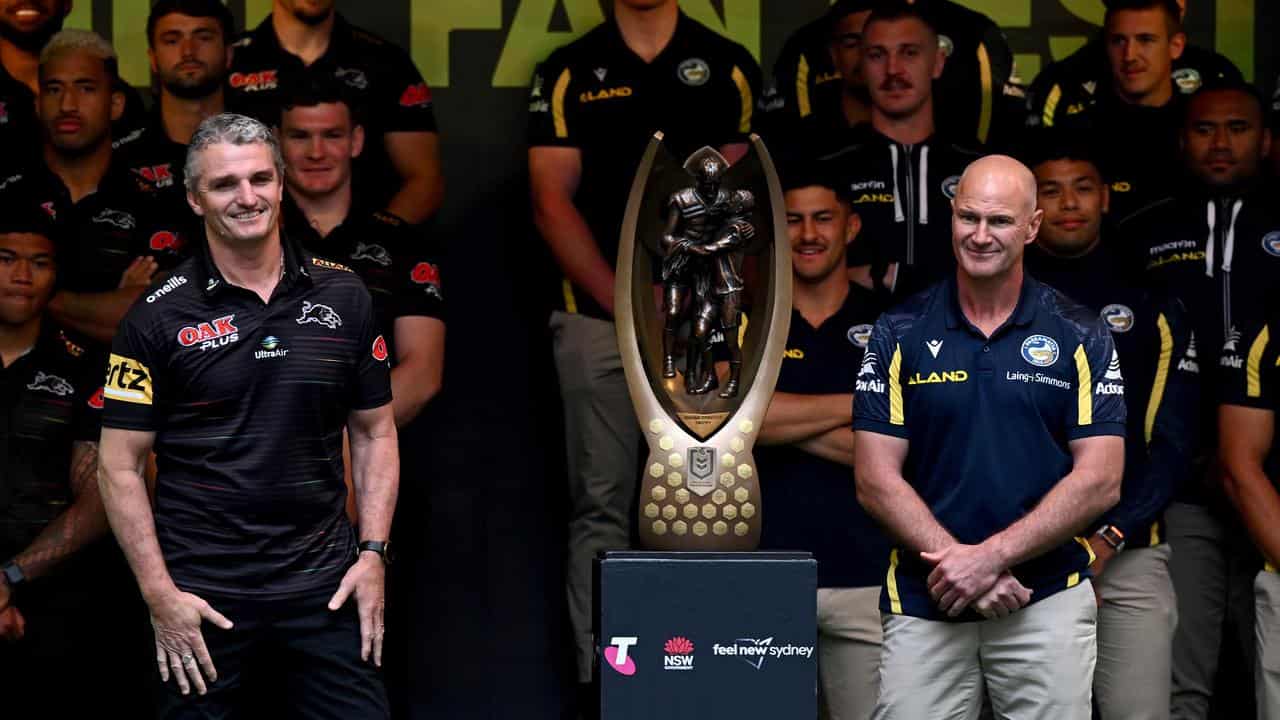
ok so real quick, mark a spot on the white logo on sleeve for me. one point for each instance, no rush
(1115, 386)
(934, 346)
(867, 380)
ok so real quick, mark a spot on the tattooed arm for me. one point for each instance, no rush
(81, 523)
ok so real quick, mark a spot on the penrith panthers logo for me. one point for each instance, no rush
(319, 314)
(52, 384)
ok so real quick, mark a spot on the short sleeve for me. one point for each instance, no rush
(418, 289)
(748, 86)
(1099, 407)
(130, 391)
(403, 102)
(550, 111)
(371, 381)
(877, 394)
(86, 423)
(1253, 383)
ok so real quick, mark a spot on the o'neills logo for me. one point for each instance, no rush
(169, 286)
(210, 334)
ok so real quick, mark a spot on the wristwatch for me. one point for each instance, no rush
(12, 575)
(1112, 536)
(383, 548)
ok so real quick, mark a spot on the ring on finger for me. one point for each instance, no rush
(188, 659)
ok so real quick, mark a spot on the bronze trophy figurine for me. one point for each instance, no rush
(702, 357)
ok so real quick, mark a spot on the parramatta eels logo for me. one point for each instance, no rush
(694, 72)
(1118, 318)
(949, 186)
(1271, 243)
(859, 335)
(319, 314)
(1040, 350)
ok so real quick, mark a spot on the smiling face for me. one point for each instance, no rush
(1141, 48)
(30, 23)
(1073, 197)
(820, 226)
(26, 276)
(993, 218)
(238, 193)
(319, 142)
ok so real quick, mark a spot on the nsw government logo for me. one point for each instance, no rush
(679, 654)
(754, 651)
(1040, 350)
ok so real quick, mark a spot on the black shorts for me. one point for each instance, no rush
(295, 657)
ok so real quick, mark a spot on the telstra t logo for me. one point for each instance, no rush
(617, 654)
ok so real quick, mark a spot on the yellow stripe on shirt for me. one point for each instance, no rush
(557, 104)
(1252, 373)
(891, 584)
(895, 387)
(802, 87)
(570, 301)
(1051, 106)
(1084, 393)
(748, 102)
(1162, 376)
(988, 101)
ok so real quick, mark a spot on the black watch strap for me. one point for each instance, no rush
(12, 574)
(381, 547)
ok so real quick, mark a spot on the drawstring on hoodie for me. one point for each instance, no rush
(898, 216)
(922, 218)
(1229, 243)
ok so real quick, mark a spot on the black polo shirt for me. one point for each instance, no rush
(989, 421)
(156, 161)
(99, 236)
(1256, 383)
(596, 95)
(903, 195)
(248, 402)
(50, 397)
(385, 88)
(397, 263)
(1153, 335)
(813, 503)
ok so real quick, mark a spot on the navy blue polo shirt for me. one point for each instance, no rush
(812, 501)
(989, 421)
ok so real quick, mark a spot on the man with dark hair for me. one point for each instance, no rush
(56, 567)
(249, 530)
(113, 237)
(1213, 245)
(991, 435)
(899, 170)
(594, 104)
(979, 95)
(1137, 610)
(400, 170)
(1085, 74)
(1136, 114)
(188, 44)
(806, 450)
(320, 139)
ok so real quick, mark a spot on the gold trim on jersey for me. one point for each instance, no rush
(557, 104)
(988, 101)
(1051, 106)
(891, 583)
(1162, 376)
(1084, 393)
(895, 387)
(1252, 373)
(802, 87)
(748, 102)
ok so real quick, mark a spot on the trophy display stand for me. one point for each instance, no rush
(701, 362)
(703, 635)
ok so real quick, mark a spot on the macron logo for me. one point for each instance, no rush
(617, 654)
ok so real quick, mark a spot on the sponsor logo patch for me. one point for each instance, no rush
(209, 335)
(379, 349)
(320, 315)
(254, 81)
(95, 400)
(1040, 350)
(1119, 318)
(679, 654)
(169, 286)
(127, 380)
(694, 72)
(51, 384)
(617, 655)
(755, 651)
(859, 335)
(418, 95)
(165, 240)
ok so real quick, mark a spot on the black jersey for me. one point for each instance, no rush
(902, 193)
(50, 398)
(386, 90)
(157, 162)
(596, 95)
(1156, 348)
(248, 402)
(400, 267)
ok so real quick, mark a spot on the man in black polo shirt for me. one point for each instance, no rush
(1215, 245)
(189, 48)
(249, 531)
(808, 446)
(899, 171)
(1250, 453)
(593, 107)
(113, 236)
(319, 138)
(1137, 610)
(989, 432)
(400, 172)
(56, 576)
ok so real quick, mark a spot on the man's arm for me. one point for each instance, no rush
(554, 173)
(416, 159)
(889, 498)
(835, 445)
(82, 522)
(1243, 449)
(793, 417)
(375, 474)
(419, 368)
(175, 615)
(94, 315)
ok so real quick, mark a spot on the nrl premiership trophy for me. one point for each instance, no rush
(702, 356)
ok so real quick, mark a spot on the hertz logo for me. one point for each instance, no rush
(949, 376)
(127, 380)
(605, 94)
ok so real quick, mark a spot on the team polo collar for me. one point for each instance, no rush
(295, 267)
(1023, 314)
(339, 37)
(673, 45)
